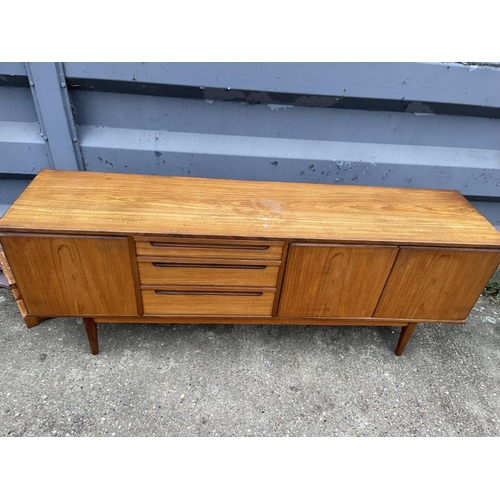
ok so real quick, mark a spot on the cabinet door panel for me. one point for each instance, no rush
(72, 275)
(436, 283)
(334, 280)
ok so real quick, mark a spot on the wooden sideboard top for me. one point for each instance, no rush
(68, 201)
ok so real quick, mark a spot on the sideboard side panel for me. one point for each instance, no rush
(72, 275)
(436, 283)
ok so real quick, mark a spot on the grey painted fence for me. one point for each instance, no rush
(433, 125)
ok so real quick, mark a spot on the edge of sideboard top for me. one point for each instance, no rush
(103, 203)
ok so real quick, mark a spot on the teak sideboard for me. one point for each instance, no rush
(137, 248)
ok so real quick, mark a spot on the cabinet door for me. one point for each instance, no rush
(72, 275)
(334, 280)
(436, 283)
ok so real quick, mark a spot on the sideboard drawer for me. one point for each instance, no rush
(207, 303)
(222, 273)
(208, 248)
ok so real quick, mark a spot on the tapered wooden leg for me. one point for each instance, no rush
(91, 328)
(404, 337)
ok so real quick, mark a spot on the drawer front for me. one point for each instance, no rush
(207, 303)
(208, 248)
(222, 274)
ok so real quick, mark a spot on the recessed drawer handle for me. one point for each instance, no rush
(211, 266)
(216, 247)
(227, 294)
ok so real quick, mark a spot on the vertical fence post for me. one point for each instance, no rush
(53, 107)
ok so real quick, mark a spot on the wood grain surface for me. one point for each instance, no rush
(334, 280)
(208, 248)
(198, 302)
(197, 273)
(67, 275)
(127, 203)
(255, 320)
(436, 283)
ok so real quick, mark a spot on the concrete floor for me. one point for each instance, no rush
(245, 380)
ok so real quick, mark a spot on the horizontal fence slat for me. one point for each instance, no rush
(12, 69)
(426, 82)
(471, 171)
(22, 149)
